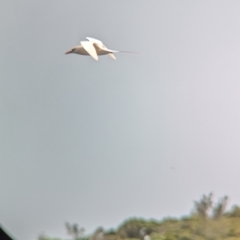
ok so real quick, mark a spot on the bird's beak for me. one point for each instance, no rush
(70, 51)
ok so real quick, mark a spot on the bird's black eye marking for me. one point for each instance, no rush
(73, 49)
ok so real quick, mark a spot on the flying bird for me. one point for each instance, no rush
(94, 48)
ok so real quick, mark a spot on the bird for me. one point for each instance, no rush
(94, 48)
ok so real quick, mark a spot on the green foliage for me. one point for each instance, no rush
(132, 228)
(44, 237)
(203, 206)
(74, 230)
(220, 208)
(235, 212)
(202, 225)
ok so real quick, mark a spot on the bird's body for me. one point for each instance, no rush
(92, 47)
(81, 50)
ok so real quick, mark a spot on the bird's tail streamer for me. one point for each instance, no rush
(128, 52)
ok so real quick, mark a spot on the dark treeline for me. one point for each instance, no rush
(207, 221)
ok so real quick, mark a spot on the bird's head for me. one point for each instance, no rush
(71, 51)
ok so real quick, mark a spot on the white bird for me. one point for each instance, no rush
(94, 48)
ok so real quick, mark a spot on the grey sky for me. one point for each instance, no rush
(95, 142)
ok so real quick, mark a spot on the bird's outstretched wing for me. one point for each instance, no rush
(93, 40)
(108, 50)
(100, 45)
(88, 46)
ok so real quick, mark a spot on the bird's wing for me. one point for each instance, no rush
(88, 46)
(108, 50)
(112, 56)
(100, 44)
(104, 48)
(94, 40)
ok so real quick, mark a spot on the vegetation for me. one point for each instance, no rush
(74, 230)
(208, 221)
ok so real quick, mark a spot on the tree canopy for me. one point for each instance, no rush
(208, 220)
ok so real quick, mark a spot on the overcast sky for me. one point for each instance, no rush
(98, 142)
